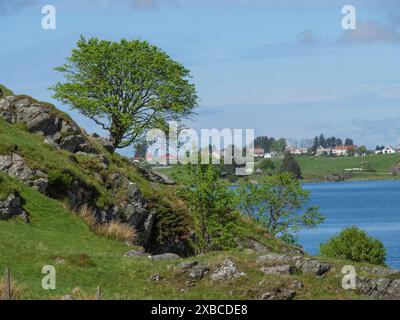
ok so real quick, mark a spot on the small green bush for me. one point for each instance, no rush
(59, 180)
(355, 245)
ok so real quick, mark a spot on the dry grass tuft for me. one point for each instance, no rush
(87, 214)
(16, 290)
(118, 231)
(113, 230)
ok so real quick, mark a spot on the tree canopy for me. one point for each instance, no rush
(126, 87)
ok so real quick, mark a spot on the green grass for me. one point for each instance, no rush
(4, 91)
(317, 168)
(320, 167)
(91, 261)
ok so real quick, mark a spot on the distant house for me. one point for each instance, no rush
(270, 155)
(323, 151)
(386, 150)
(296, 150)
(342, 150)
(259, 152)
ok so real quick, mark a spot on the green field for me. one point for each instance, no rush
(319, 167)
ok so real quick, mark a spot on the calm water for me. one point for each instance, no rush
(373, 206)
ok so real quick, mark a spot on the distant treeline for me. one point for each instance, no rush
(270, 144)
(332, 142)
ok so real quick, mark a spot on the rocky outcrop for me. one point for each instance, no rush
(379, 288)
(133, 210)
(60, 132)
(338, 177)
(105, 143)
(57, 128)
(282, 269)
(15, 166)
(227, 271)
(302, 264)
(194, 269)
(153, 175)
(11, 207)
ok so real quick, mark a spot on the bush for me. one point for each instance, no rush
(355, 245)
(267, 165)
(59, 180)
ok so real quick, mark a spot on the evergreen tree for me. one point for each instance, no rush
(290, 164)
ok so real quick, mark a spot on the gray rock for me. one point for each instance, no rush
(393, 290)
(52, 143)
(11, 207)
(273, 258)
(198, 271)
(256, 246)
(72, 143)
(153, 175)
(165, 256)
(135, 253)
(226, 271)
(313, 267)
(283, 269)
(15, 166)
(372, 287)
(105, 143)
(186, 265)
(67, 297)
(162, 178)
(279, 294)
(155, 277)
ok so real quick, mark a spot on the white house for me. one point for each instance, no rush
(386, 150)
(296, 150)
(259, 152)
(342, 150)
(270, 155)
(323, 151)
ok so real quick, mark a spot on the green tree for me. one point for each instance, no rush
(267, 165)
(355, 245)
(264, 143)
(361, 150)
(126, 87)
(289, 164)
(211, 203)
(348, 142)
(279, 204)
(279, 145)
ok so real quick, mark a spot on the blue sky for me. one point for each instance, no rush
(285, 68)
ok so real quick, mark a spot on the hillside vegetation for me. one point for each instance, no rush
(52, 183)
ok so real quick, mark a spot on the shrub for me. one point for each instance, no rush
(267, 165)
(355, 245)
(59, 180)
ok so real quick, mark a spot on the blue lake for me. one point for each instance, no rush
(373, 206)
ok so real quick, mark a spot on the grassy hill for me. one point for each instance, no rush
(319, 167)
(84, 260)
